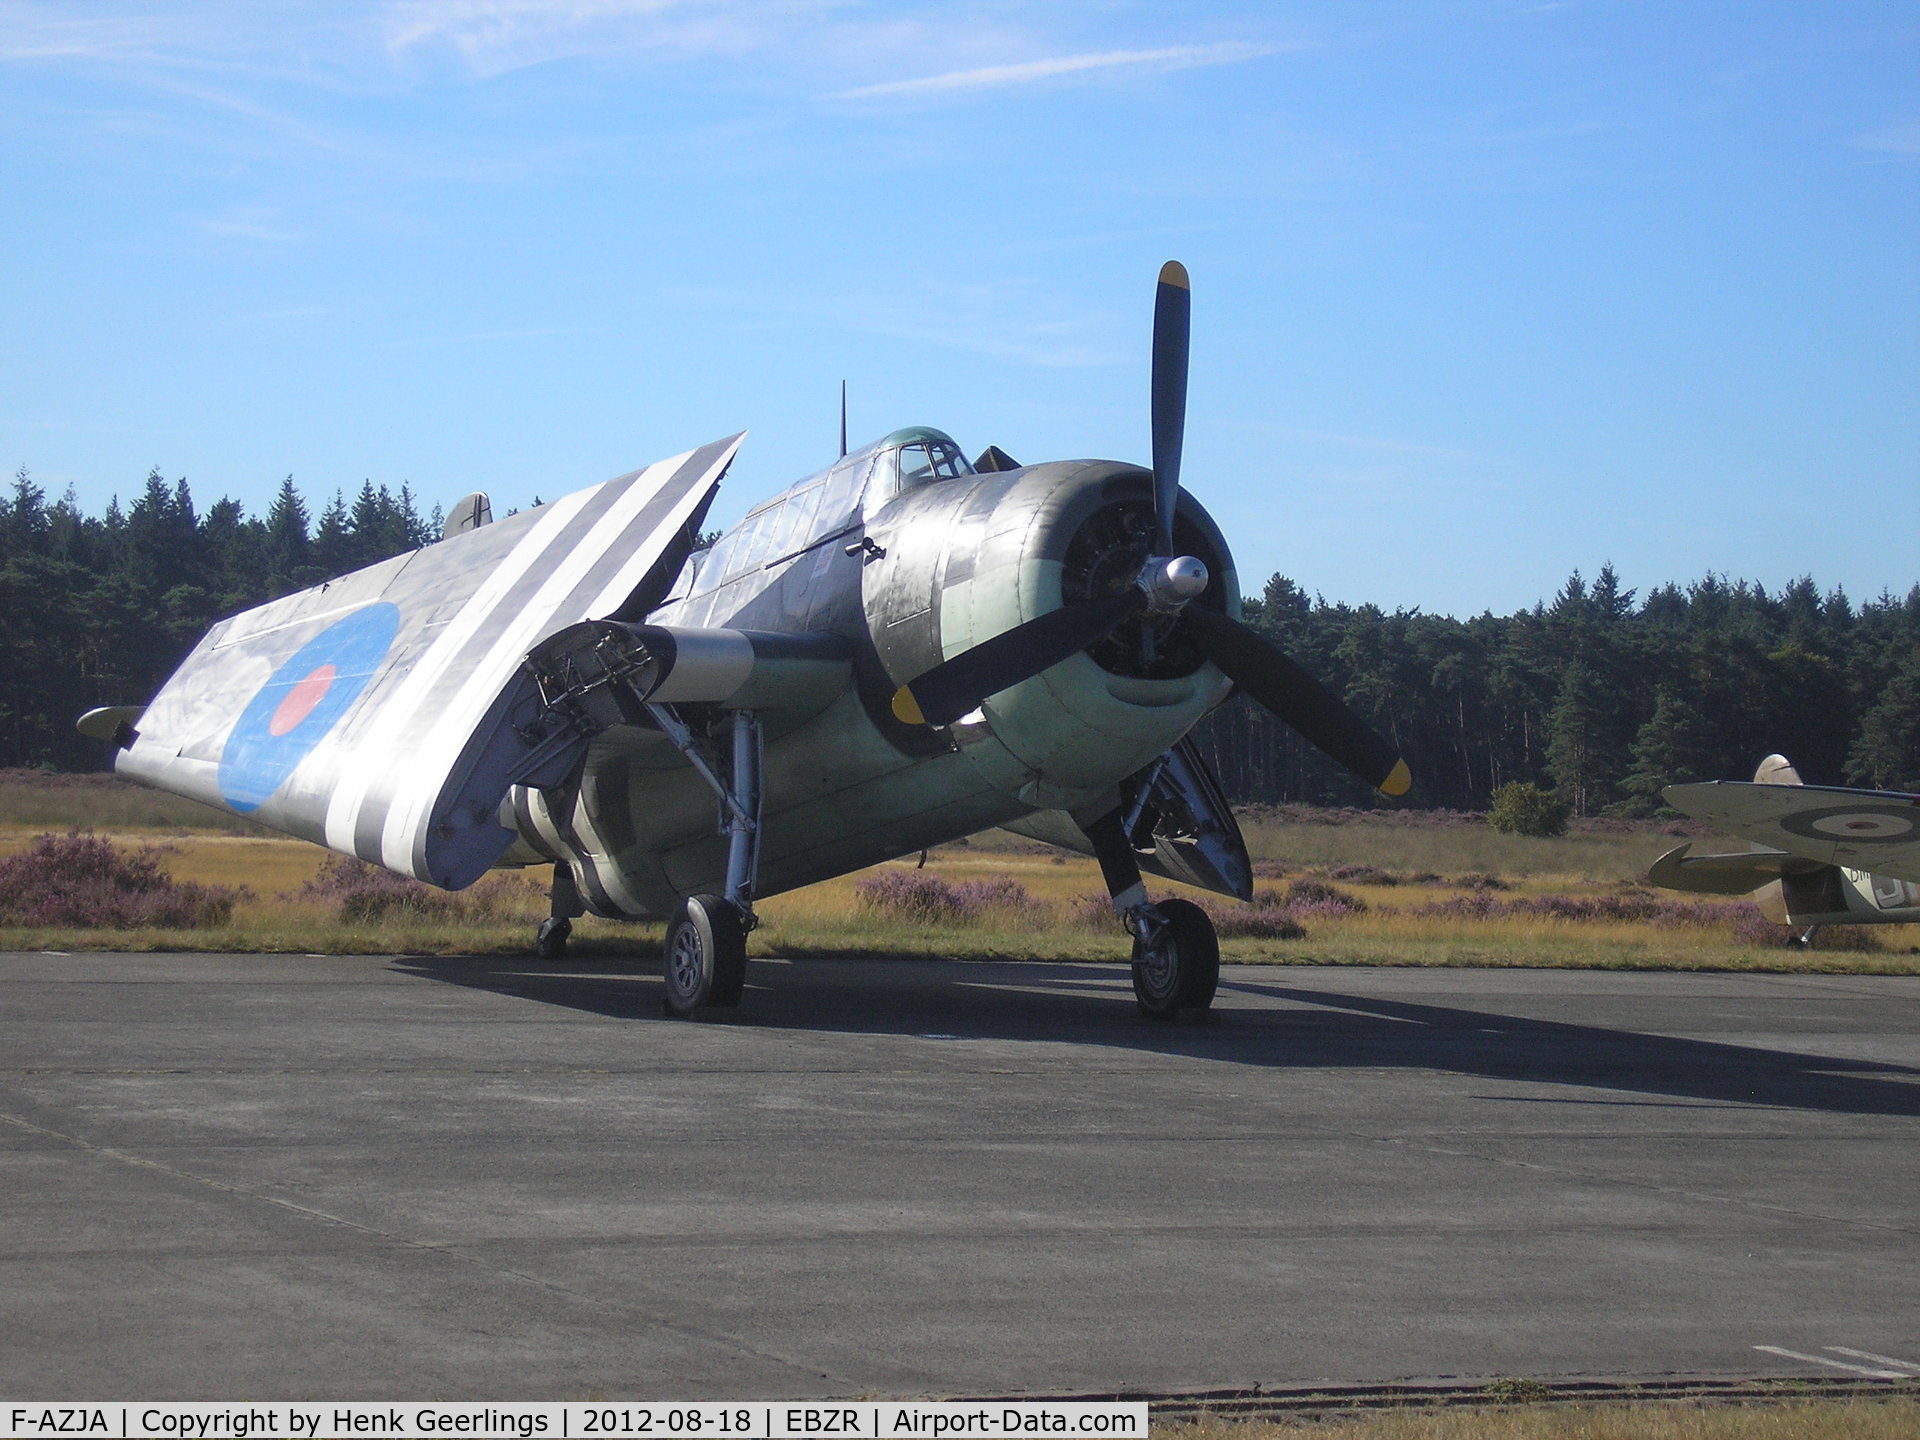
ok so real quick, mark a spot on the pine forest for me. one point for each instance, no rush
(1601, 693)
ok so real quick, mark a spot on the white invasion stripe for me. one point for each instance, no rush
(433, 758)
(543, 822)
(630, 574)
(605, 868)
(396, 710)
(1836, 1364)
(411, 802)
(1913, 1365)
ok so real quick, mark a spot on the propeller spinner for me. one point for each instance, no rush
(1165, 584)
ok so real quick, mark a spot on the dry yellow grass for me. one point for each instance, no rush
(829, 919)
(1454, 849)
(1896, 1419)
(828, 916)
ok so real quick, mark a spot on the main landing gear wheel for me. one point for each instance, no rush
(706, 955)
(1176, 963)
(550, 940)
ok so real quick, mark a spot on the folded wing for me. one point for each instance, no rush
(369, 714)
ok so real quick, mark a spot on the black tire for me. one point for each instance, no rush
(550, 941)
(1180, 970)
(705, 958)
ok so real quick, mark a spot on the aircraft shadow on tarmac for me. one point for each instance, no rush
(1315, 1028)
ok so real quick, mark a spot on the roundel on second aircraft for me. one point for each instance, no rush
(303, 700)
(1867, 823)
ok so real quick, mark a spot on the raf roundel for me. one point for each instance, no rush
(303, 700)
(1864, 824)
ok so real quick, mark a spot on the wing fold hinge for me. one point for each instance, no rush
(601, 673)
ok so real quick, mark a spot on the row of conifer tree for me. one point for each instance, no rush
(1599, 693)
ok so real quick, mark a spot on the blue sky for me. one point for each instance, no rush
(1485, 292)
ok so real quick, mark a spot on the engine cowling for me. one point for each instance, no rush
(979, 556)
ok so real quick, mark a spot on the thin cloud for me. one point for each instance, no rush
(273, 120)
(474, 25)
(35, 32)
(214, 35)
(1177, 57)
(495, 36)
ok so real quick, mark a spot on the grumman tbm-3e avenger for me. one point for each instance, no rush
(894, 653)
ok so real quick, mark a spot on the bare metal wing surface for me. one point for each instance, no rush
(1869, 830)
(366, 714)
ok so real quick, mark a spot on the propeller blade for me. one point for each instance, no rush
(953, 688)
(1172, 321)
(1280, 685)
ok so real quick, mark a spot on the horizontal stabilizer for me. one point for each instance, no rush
(1739, 873)
(112, 724)
(1873, 830)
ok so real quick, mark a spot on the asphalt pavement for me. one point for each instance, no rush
(291, 1177)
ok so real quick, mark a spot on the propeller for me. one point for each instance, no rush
(946, 692)
(1163, 587)
(1327, 722)
(1172, 327)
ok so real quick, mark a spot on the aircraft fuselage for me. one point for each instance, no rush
(1838, 896)
(922, 574)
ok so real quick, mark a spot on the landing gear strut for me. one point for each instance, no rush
(550, 940)
(1176, 956)
(706, 949)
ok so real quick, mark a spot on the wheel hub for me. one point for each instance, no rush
(1159, 959)
(686, 959)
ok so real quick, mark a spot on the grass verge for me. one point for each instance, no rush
(1337, 888)
(1062, 917)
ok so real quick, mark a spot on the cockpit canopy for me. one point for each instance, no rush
(910, 458)
(809, 518)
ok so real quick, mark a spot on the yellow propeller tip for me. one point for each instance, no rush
(1174, 273)
(906, 709)
(1398, 781)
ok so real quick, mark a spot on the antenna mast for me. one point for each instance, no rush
(843, 419)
